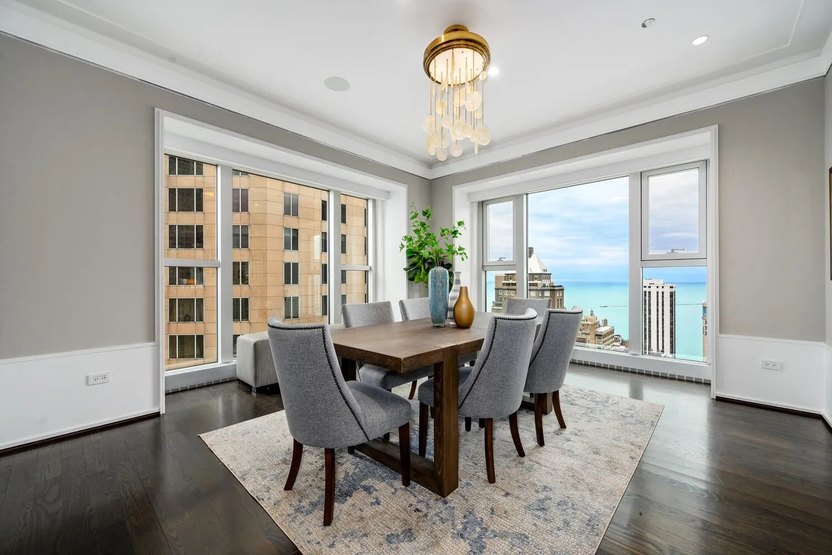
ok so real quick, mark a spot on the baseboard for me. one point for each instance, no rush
(79, 431)
(799, 411)
(197, 378)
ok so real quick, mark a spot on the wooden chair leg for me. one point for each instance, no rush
(515, 434)
(412, 389)
(556, 404)
(489, 450)
(329, 485)
(386, 436)
(433, 412)
(482, 423)
(423, 429)
(351, 450)
(404, 452)
(297, 454)
(467, 423)
(539, 407)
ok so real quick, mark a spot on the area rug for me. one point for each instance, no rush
(558, 499)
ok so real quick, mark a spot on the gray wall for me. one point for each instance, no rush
(825, 255)
(770, 208)
(76, 198)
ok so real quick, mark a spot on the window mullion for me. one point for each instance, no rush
(225, 339)
(634, 273)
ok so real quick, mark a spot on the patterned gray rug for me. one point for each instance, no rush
(558, 499)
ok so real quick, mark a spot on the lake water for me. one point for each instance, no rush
(610, 301)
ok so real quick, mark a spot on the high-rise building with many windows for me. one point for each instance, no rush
(279, 256)
(659, 305)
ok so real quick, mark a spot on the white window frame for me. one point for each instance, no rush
(180, 136)
(665, 154)
(677, 257)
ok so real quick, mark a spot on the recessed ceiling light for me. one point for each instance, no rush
(700, 40)
(493, 71)
(337, 84)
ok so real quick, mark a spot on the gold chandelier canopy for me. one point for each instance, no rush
(456, 63)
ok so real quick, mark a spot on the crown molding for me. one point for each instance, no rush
(35, 26)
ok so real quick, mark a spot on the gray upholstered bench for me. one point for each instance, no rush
(255, 365)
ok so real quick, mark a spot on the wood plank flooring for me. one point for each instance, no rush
(716, 478)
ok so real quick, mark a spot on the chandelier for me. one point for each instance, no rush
(457, 64)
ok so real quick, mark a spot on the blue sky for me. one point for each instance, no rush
(581, 233)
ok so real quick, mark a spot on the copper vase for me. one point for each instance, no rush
(463, 309)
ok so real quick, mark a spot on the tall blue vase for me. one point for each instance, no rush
(438, 296)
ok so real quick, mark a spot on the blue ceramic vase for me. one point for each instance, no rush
(438, 296)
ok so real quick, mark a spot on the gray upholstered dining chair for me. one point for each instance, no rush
(370, 314)
(323, 410)
(415, 309)
(517, 305)
(550, 358)
(493, 388)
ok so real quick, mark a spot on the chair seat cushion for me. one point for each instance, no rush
(383, 411)
(426, 389)
(377, 376)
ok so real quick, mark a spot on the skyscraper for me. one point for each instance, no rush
(540, 285)
(659, 305)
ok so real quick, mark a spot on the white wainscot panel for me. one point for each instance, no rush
(47, 396)
(798, 385)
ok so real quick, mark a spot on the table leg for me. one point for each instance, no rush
(445, 425)
(348, 369)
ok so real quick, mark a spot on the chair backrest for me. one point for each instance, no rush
(517, 305)
(320, 409)
(415, 309)
(367, 314)
(495, 387)
(553, 350)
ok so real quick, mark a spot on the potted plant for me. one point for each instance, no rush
(430, 259)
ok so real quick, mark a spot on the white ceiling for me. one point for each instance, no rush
(563, 64)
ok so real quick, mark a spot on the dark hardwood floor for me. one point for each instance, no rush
(716, 478)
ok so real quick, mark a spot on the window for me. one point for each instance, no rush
(343, 300)
(239, 200)
(591, 239)
(290, 239)
(186, 346)
(183, 166)
(324, 242)
(343, 244)
(185, 310)
(324, 274)
(354, 286)
(291, 308)
(239, 273)
(180, 275)
(499, 232)
(630, 251)
(240, 309)
(185, 200)
(674, 201)
(343, 276)
(324, 210)
(239, 236)
(185, 236)
(343, 213)
(324, 305)
(290, 204)
(290, 273)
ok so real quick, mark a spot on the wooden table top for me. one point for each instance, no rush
(404, 346)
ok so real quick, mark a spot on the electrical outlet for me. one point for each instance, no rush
(771, 364)
(98, 379)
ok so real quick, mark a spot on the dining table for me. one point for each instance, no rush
(404, 346)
